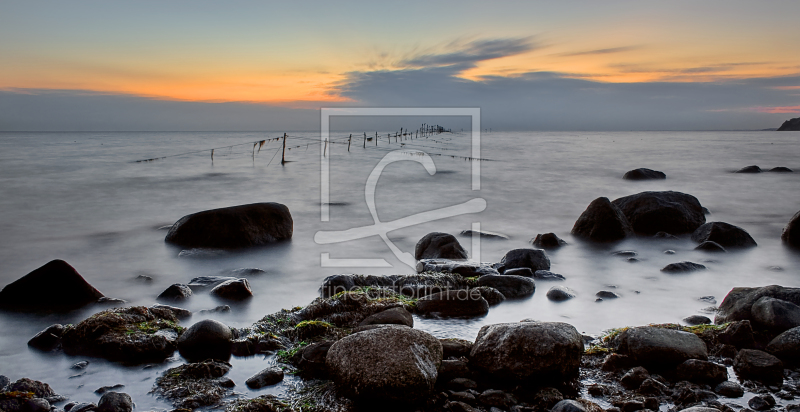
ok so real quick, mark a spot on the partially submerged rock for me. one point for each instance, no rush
(791, 232)
(512, 287)
(548, 241)
(233, 227)
(534, 259)
(437, 245)
(392, 316)
(454, 303)
(653, 212)
(724, 234)
(461, 267)
(683, 267)
(738, 303)
(234, 289)
(661, 347)
(602, 221)
(54, 286)
(207, 339)
(560, 293)
(644, 174)
(409, 285)
(484, 234)
(194, 385)
(175, 293)
(266, 377)
(749, 169)
(115, 402)
(775, 315)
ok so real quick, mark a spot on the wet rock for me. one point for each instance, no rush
(709, 246)
(409, 285)
(194, 385)
(606, 294)
(761, 402)
(568, 405)
(492, 295)
(176, 293)
(624, 253)
(54, 286)
(534, 259)
(36, 405)
(389, 363)
(602, 221)
(233, 227)
(207, 339)
(267, 377)
(178, 313)
(497, 398)
(791, 232)
(460, 384)
(724, 234)
(133, 335)
(455, 348)
(652, 387)
(512, 287)
(547, 241)
(547, 275)
(437, 245)
(242, 272)
(786, 346)
(238, 289)
(699, 371)
(653, 212)
(104, 389)
(666, 236)
(524, 272)
(729, 389)
(660, 347)
(82, 407)
(634, 378)
(644, 174)
(615, 361)
(47, 339)
(738, 334)
(218, 309)
(453, 368)
(464, 397)
(76, 366)
(683, 267)
(749, 169)
(700, 409)
(454, 303)
(455, 406)
(115, 402)
(697, 320)
(775, 315)
(755, 364)
(780, 169)
(560, 293)
(669, 252)
(484, 234)
(393, 316)
(739, 302)
(39, 389)
(208, 282)
(517, 351)
(312, 360)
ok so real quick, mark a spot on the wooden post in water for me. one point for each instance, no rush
(365, 140)
(376, 138)
(325, 151)
(348, 142)
(283, 156)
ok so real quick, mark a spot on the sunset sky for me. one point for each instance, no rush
(728, 59)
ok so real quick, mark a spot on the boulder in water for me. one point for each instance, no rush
(534, 259)
(484, 234)
(233, 227)
(560, 293)
(660, 347)
(267, 377)
(393, 316)
(54, 286)
(207, 339)
(511, 286)
(749, 169)
(115, 402)
(548, 241)
(724, 234)
(175, 293)
(781, 169)
(775, 315)
(683, 267)
(653, 212)
(644, 174)
(234, 289)
(602, 221)
(454, 303)
(738, 303)
(791, 232)
(437, 245)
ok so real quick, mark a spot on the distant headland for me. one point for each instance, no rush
(790, 125)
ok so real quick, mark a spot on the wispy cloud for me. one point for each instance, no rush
(777, 109)
(601, 51)
(468, 54)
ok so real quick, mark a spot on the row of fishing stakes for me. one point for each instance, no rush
(425, 130)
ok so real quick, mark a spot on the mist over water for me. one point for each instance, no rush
(79, 197)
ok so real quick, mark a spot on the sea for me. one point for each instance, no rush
(102, 201)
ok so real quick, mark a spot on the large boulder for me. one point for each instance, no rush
(644, 174)
(534, 259)
(786, 346)
(602, 221)
(115, 402)
(393, 363)
(519, 351)
(233, 227)
(724, 234)
(756, 364)
(454, 303)
(437, 245)
(207, 339)
(791, 232)
(56, 285)
(775, 315)
(661, 348)
(738, 303)
(653, 212)
(234, 289)
(511, 286)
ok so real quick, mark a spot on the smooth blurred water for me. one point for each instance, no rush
(79, 197)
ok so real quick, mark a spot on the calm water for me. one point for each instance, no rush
(78, 197)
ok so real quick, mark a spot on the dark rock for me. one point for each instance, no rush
(194, 385)
(82, 407)
(207, 339)
(39, 389)
(697, 320)
(547, 275)
(233, 227)
(4, 381)
(105, 389)
(791, 232)
(534, 259)
(484, 234)
(710, 246)
(738, 334)
(660, 347)
(560, 293)
(115, 402)
(568, 405)
(459, 384)
(682, 267)
(755, 364)
(455, 348)
(393, 316)
(652, 387)
(790, 125)
(699, 371)
(512, 287)
(780, 169)
(666, 236)
(77, 366)
(464, 396)
(624, 253)
(761, 402)
(653, 212)
(176, 293)
(669, 252)
(775, 315)
(602, 221)
(47, 339)
(492, 295)
(724, 234)
(410, 285)
(178, 313)
(267, 377)
(548, 241)
(54, 286)
(313, 357)
(524, 272)
(644, 174)
(208, 282)
(749, 169)
(218, 309)
(738, 304)
(497, 398)
(455, 406)
(606, 294)
(36, 405)
(238, 289)
(634, 378)
(786, 346)
(517, 351)
(461, 267)
(437, 245)
(454, 303)
(632, 405)
(729, 389)
(241, 272)
(389, 363)
(453, 368)
(615, 361)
